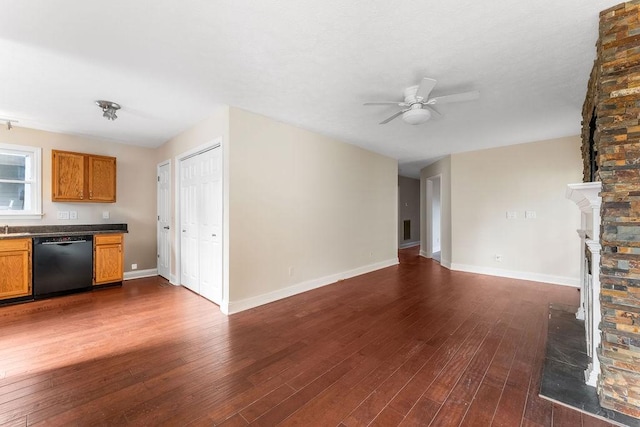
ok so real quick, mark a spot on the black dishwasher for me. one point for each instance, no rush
(62, 265)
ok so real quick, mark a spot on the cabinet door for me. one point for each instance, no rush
(15, 268)
(102, 179)
(108, 258)
(68, 176)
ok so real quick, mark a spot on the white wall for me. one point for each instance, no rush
(304, 210)
(527, 177)
(441, 169)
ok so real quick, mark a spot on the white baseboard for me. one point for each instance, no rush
(138, 274)
(409, 245)
(232, 307)
(443, 262)
(521, 275)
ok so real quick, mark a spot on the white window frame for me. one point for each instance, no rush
(35, 180)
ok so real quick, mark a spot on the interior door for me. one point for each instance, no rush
(164, 220)
(189, 230)
(210, 225)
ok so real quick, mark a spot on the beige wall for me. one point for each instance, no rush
(527, 177)
(441, 168)
(408, 209)
(215, 127)
(306, 204)
(136, 190)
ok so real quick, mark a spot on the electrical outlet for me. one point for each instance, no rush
(63, 214)
(134, 266)
(498, 258)
(105, 214)
(290, 271)
(530, 214)
(73, 214)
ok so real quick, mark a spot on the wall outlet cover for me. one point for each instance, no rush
(73, 214)
(105, 214)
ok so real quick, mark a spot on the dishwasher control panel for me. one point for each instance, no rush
(62, 239)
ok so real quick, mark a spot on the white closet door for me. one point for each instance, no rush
(201, 223)
(210, 249)
(189, 230)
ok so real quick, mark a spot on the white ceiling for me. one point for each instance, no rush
(309, 63)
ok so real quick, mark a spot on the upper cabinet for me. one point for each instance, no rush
(78, 177)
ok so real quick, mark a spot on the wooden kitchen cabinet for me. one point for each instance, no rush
(108, 258)
(79, 177)
(15, 268)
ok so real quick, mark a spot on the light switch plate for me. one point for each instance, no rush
(530, 214)
(63, 214)
(512, 215)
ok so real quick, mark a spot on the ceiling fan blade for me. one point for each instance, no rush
(398, 103)
(392, 117)
(433, 110)
(457, 97)
(425, 88)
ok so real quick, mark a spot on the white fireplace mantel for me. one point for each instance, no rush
(587, 197)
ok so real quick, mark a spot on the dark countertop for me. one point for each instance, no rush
(17, 232)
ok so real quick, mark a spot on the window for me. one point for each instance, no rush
(20, 186)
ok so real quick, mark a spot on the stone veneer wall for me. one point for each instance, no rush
(614, 90)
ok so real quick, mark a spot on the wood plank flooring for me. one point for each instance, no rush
(414, 344)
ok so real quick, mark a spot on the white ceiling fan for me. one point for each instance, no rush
(417, 107)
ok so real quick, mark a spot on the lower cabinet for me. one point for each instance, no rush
(15, 265)
(108, 258)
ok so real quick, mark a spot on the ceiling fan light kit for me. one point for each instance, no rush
(416, 116)
(108, 109)
(417, 107)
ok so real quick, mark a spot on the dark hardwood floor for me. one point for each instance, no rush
(409, 345)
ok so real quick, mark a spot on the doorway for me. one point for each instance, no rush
(199, 210)
(434, 217)
(164, 219)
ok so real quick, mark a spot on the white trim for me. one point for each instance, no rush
(35, 180)
(138, 274)
(424, 254)
(445, 263)
(409, 245)
(521, 275)
(245, 304)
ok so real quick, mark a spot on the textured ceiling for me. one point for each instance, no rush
(308, 63)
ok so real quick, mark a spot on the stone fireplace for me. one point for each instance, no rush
(611, 154)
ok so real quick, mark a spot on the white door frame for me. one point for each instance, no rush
(158, 166)
(428, 253)
(215, 143)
